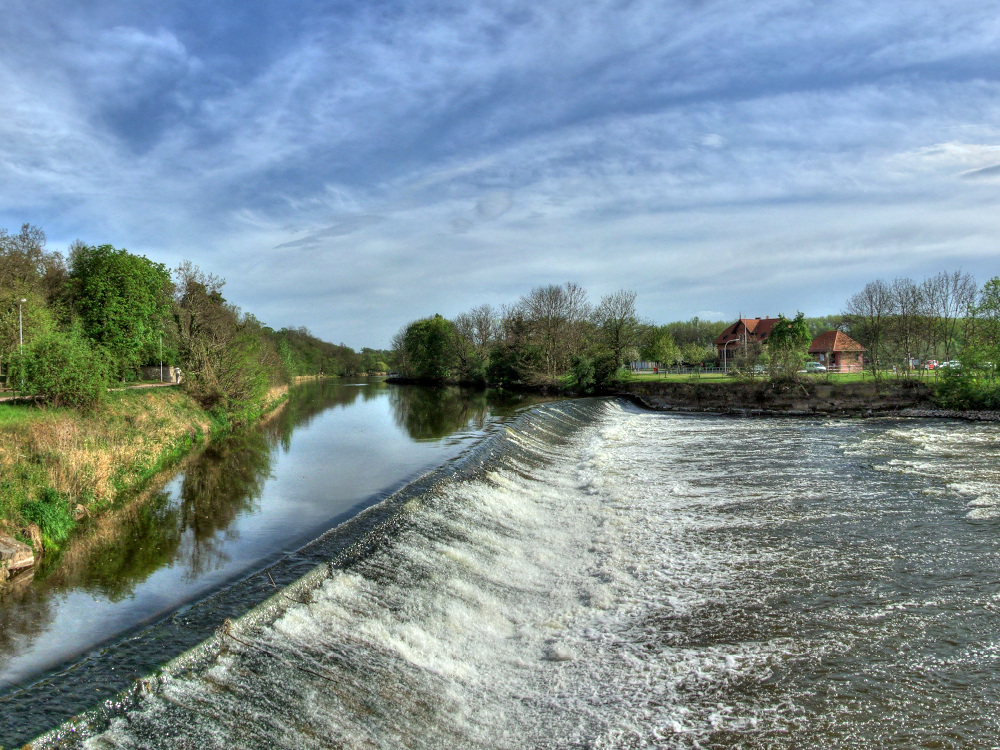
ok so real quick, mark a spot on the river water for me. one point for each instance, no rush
(116, 604)
(589, 575)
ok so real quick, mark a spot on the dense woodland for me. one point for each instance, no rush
(99, 315)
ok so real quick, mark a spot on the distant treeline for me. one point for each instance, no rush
(69, 326)
(553, 336)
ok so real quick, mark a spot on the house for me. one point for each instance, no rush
(838, 352)
(743, 332)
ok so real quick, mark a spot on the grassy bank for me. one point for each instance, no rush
(54, 460)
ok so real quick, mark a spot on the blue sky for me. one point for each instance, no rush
(351, 166)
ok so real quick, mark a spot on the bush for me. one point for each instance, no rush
(61, 369)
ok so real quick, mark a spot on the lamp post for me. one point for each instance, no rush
(20, 326)
(161, 357)
(725, 357)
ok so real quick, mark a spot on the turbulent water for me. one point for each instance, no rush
(601, 577)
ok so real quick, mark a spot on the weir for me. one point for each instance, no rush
(592, 575)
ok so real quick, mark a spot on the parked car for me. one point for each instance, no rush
(814, 367)
(931, 364)
(952, 365)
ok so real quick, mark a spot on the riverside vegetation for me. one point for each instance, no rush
(90, 323)
(553, 338)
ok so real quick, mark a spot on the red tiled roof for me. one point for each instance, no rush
(834, 341)
(757, 330)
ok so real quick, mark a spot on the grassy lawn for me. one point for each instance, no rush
(718, 377)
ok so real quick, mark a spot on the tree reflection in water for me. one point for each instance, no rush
(189, 526)
(435, 413)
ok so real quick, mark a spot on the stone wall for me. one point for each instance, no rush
(764, 397)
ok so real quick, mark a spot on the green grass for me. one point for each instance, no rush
(718, 377)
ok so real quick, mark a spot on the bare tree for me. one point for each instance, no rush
(615, 317)
(951, 296)
(557, 317)
(868, 314)
(480, 327)
(906, 300)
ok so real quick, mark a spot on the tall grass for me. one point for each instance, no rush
(55, 459)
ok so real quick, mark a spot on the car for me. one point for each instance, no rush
(814, 367)
(952, 365)
(931, 364)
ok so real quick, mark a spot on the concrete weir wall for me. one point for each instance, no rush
(764, 397)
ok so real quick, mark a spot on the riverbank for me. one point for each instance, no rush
(59, 466)
(801, 398)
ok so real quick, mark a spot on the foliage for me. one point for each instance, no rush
(61, 369)
(429, 349)
(304, 354)
(51, 513)
(228, 361)
(123, 301)
(658, 345)
(619, 328)
(787, 344)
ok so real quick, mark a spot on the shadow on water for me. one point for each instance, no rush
(153, 554)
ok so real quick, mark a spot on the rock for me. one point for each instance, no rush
(14, 555)
(35, 534)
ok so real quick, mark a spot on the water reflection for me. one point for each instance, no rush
(436, 413)
(236, 504)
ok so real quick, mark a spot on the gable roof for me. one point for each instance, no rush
(757, 329)
(834, 341)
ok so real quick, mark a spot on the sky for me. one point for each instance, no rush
(352, 166)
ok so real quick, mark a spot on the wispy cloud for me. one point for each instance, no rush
(389, 160)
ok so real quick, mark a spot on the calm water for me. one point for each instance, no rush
(593, 576)
(240, 505)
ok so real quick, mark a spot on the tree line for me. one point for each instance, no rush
(70, 326)
(946, 317)
(552, 336)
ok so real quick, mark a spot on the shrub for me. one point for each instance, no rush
(61, 369)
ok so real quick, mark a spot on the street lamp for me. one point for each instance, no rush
(725, 358)
(20, 326)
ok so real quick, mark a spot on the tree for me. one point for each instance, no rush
(619, 328)
(428, 349)
(949, 297)
(554, 320)
(868, 316)
(61, 369)
(787, 344)
(229, 362)
(123, 301)
(906, 322)
(658, 345)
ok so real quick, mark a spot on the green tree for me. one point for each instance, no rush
(787, 345)
(123, 301)
(228, 360)
(61, 369)
(428, 349)
(658, 345)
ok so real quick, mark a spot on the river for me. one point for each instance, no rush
(589, 575)
(114, 605)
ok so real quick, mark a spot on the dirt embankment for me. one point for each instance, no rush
(800, 399)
